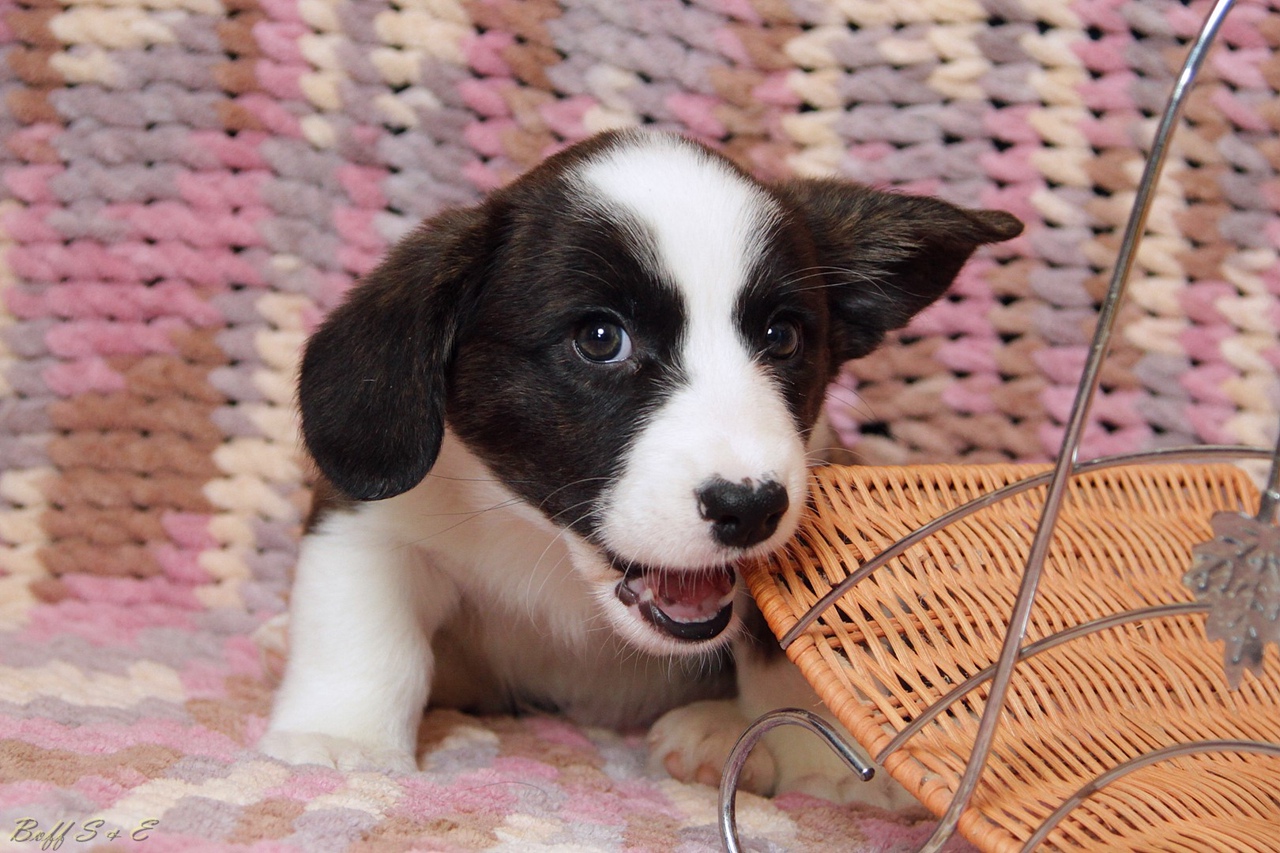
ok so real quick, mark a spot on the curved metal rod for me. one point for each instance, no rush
(1138, 763)
(742, 749)
(1167, 454)
(1031, 650)
(1271, 493)
(1066, 461)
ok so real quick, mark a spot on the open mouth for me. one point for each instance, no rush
(685, 604)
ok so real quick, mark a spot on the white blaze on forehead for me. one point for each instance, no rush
(707, 221)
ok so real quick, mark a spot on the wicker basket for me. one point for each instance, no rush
(936, 615)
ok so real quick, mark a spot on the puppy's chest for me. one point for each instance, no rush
(527, 637)
(492, 660)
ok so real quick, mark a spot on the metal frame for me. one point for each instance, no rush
(1067, 466)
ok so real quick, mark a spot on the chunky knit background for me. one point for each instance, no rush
(188, 185)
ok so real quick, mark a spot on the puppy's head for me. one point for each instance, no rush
(635, 338)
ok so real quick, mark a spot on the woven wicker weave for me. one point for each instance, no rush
(936, 615)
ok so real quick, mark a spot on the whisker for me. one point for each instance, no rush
(571, 485)
(850, 398)
(468, 515)
(445, 477)
(820, 453)
(561, 531)
(873, 277)
(546, 578)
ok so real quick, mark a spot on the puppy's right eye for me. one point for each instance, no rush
(602, 341)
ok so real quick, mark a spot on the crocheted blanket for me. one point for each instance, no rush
(188, 185)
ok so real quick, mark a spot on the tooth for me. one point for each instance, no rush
(626, 594)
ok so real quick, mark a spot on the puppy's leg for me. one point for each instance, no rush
(359, 663)
(768, 681)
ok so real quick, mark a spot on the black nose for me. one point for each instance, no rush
(742, 514)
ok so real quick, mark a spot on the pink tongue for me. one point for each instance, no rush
(690, 596)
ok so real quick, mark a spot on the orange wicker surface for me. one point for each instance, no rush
(936, 615)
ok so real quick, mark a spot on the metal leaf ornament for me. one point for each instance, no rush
(1237, 574)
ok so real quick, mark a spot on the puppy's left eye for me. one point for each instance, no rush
(782, 339)
(602, 341)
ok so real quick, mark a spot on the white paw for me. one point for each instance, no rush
(337, 752)
(693, 741)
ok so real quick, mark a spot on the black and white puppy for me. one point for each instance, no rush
(550, 425)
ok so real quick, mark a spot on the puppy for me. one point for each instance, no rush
(549, 426)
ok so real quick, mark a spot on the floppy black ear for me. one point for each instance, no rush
(887, 255)
(372, 385)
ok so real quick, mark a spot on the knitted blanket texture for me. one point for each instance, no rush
(189, 185)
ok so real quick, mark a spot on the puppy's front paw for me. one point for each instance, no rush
(337, 752)
(692, 743)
